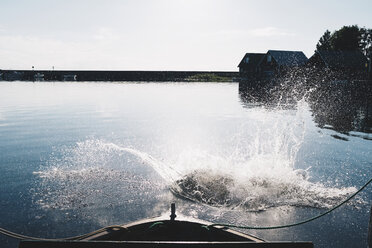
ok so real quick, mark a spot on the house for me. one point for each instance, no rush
(274, 62)
(352, 64)
(248, 66)
(339, 60)
(278, 62)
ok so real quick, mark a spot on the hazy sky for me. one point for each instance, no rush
(164, 34)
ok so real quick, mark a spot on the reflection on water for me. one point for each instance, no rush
(342, 108)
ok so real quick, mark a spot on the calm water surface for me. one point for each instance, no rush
(78, 156)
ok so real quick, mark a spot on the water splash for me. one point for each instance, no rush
(258, 193)
(85, 184)
(83, 188)
(91, 175)
(254, 169)
(165, 171)
(260, 172)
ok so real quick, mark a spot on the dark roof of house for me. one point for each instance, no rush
(343, 59)
(288, 58)
(254, 58)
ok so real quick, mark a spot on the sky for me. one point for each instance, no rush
(203, 35)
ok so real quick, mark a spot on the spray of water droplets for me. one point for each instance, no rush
(256, 171)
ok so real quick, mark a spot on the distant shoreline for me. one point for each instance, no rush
(113, 76)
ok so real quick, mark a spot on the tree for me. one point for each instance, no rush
(366, 41)
(324, 42)
(347, 38)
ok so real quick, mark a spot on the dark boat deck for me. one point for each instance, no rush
(164, 234)
(158, 232)
(160, 244)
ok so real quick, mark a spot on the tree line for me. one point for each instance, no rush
(347, 38)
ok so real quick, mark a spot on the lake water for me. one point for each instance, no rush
(75, 157)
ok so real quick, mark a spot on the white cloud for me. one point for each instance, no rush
(106, 34)
(22, 52)
(269, 31)
(115, 49)
(106, 49)
(258, 32)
